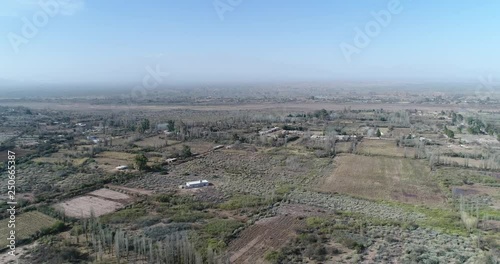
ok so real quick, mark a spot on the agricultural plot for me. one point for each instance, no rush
(343, 147)
(380, 147)
(479, 194)
(27, 224)
(37, 177)
(75, 180)
(265, 235)
(155, 142)
(100, 202)
(196, 147)
(399, 131)
(56, 160)
(472, 163)
(109, 160)
(383, 178)
(243, 171)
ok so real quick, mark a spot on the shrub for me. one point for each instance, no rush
(242, 201)
(274, 256)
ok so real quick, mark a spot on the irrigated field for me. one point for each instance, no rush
(27, 224)
(384, 178)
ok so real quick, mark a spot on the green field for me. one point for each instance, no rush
(27, 224)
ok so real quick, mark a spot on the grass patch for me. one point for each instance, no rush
(215, 234)
(29, 225)
(182, 208)
(243, 201)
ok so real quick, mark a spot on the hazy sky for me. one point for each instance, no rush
(248, 40)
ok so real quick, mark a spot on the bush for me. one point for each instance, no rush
(274, 256)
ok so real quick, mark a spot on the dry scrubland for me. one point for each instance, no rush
(383, 178)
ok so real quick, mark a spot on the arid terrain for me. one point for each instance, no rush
(275, 180)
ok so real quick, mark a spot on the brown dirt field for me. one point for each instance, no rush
(102, 201)
(383, 178)
(266, 234)
(383, 147)
(82, 206)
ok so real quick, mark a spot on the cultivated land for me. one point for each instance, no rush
(27, 225)
(384, 147)
(97, 203)
(383, 178)
(297, 176)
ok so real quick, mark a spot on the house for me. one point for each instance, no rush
(196, 184)
(122, 167)
(170, 160)
(217, 147)
(274, 129)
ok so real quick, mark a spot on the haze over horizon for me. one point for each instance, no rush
(114, 42)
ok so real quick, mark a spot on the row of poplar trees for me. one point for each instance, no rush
(108, 242)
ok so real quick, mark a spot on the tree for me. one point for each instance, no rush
(143, 126)
(449, 132)
(140, 161)
(379, 134)
(186, 151)
(170, 125)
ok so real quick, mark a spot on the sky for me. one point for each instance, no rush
(116, 41)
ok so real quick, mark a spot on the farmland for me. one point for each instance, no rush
(384, 148)
(383, 178)
(285, 186)
(27, 225)
(97, 203)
